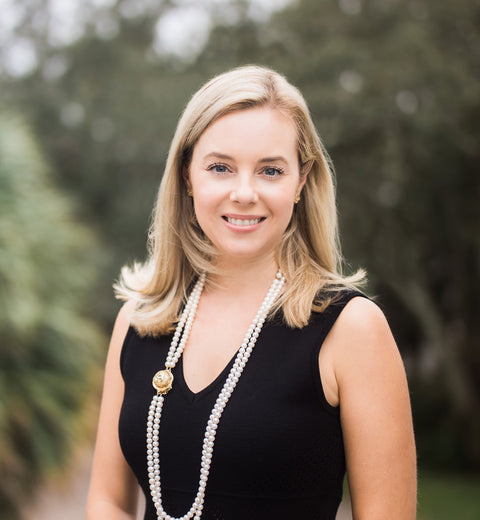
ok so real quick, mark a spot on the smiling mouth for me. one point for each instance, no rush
(243, 222)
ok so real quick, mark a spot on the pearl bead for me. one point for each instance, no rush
(177, 346)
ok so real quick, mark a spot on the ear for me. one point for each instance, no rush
(305, 168)
(304, 171)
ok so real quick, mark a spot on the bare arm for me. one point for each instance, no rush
(375, 414)
(113, 490)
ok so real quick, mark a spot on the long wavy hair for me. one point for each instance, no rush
(178, 250)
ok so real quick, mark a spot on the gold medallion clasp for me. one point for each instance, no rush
(162, 381)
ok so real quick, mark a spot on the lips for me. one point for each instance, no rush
(243, 221)
(239, 222)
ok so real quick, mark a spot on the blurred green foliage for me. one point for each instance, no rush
(394, 89)
(444, 497)
(49, 350)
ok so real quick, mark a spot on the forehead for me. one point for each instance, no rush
(256, 130)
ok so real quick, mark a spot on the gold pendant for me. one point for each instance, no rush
(162, 381)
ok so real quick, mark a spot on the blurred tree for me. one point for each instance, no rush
(49, 349)
(106, 108)
(395, 89)
(393, 86)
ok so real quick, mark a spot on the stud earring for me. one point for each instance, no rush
(189, 192)
(297, 198)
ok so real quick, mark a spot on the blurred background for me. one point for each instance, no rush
(90, 92)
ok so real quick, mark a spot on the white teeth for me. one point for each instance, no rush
(240, 222)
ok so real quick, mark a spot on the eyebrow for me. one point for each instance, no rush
(218, 155)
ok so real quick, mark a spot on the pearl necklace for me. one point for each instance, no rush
(162, 382)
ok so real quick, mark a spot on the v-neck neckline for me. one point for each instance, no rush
(195, 396)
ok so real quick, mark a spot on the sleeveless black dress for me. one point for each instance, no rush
(278, 451)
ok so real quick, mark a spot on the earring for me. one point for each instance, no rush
(297, 198)
(189, 192)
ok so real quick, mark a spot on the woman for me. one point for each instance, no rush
(279, 374)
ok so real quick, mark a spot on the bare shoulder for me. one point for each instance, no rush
(362, 324)
(124, 315)
(363, 316)
(362, 341)
(113, 489)
(122, 323)
(375, 413)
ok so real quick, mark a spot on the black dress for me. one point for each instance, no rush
(278, 451)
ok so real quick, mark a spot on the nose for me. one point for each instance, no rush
(244, 189)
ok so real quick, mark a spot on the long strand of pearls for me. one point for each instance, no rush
(162, 383)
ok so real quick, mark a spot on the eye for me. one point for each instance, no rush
(218, 168)
(271, 171)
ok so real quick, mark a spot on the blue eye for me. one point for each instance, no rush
(272, 172)
(218, 168)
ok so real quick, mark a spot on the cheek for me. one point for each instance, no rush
(205, 208)
(282, 211)
(200, 209)
(282, 203)
(287, 214)
(209, 195)
(205, 200)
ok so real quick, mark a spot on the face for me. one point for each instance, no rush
(244, 175)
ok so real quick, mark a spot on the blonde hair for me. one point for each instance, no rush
(309, 253)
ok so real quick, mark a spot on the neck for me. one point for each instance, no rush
(242, 276)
